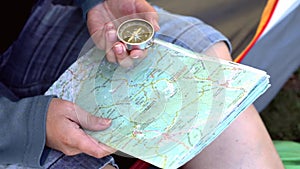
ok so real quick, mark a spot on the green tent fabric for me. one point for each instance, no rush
(289, 152)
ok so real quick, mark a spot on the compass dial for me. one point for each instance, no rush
(136, 33)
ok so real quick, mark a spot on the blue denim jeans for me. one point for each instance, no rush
(50, 42)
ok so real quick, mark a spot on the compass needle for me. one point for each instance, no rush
(134, 35)
(131, 37)
(137, 32)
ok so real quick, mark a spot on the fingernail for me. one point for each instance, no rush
(106, 121)
(109, 26)
(135, 56)
(112, 35)
(119, 49)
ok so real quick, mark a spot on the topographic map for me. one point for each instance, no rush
(167, 106)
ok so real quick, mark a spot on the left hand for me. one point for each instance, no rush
(103, 31)
(64, 130)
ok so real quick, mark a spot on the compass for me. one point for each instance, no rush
(136, 34)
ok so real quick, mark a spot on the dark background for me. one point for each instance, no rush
(13, 16)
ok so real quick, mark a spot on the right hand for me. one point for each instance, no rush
(64, 124)
(100, 25)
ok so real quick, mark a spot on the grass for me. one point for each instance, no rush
(282, 115)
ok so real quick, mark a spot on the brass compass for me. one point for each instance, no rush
(136, 34)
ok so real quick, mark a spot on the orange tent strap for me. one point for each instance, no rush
(264, 20)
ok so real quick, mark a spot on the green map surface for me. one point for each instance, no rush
(168, 106)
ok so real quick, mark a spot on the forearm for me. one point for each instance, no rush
(22, 129)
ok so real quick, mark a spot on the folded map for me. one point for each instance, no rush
(165, 107)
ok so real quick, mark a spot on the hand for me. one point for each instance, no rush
(64, 132)
(101, 27)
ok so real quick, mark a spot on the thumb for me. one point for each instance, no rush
(91, 122)
(96, 123)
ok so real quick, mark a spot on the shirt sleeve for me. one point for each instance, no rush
(22, 128)
(86, 5)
